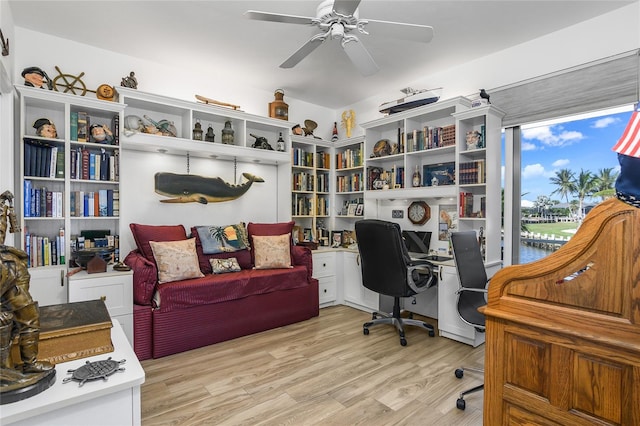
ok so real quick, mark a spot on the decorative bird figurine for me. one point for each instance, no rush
(485, 95)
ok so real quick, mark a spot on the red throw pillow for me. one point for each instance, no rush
(142, 234)
(267, 229)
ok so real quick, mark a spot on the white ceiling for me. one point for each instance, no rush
(215, 37)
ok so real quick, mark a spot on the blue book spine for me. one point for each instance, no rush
(109, 202)
(92, 166)
(27, 198)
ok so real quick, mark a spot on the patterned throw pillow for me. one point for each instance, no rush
(176, 260)
(222, 266)
(221, 239)
(272, 252)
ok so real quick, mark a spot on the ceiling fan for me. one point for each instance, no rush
(339, 20)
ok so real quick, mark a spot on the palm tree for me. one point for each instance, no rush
(585, 186)
(565, 181)
(604, 183)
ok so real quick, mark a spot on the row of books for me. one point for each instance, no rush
(322, 182)
(302, 157)
(101, 203)
(322, 206)
(95, 164)
(44, 251)
(80, 127)
(430, 137)
(350, 183)
(349, 158)
(42, 159)
(40, 202)
(472, 205)
(302, 205)
(472, 172)
(323, 160)
(303, 181)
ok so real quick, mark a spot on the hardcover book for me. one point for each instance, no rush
(83, 127)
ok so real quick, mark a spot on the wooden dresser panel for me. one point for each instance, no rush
(563, 333)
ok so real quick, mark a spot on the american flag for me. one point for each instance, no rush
(629, 142)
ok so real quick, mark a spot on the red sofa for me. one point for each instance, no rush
(182, 315)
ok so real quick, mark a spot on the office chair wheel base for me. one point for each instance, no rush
(459, 373)
(460, 404)
(365, 331)
(403, 341)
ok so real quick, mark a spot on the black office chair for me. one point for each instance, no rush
(387, 269)
(472, 276)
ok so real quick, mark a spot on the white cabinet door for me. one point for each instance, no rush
(48, 285)
(449, 323)
(354, 291)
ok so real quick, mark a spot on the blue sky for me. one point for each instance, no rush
(574, 143)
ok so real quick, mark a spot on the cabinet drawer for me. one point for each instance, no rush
(115, 290)
(327, 289)
(324, 264)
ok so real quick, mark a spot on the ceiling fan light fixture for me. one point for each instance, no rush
(337, 31)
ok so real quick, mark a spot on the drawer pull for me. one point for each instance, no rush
(103, 298)
(324, 265)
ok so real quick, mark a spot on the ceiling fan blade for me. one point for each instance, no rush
(403, 31)
(278, 17)
(346, 7)
(359, 55)
(302, 53)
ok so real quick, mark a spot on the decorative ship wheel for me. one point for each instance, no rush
(68, 83)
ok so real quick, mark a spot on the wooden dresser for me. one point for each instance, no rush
(563, 333)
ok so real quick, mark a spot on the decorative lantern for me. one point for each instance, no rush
(197, 132)
(227, 133)
(210, 136)
(278, 108)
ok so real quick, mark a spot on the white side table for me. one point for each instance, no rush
(114, 287)
(115, 401)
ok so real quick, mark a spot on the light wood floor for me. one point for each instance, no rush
(323, 371)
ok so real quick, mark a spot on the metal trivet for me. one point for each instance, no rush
(94, 370)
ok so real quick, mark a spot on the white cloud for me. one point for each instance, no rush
(532, 170)
(526, 204)
(528, 146)
(560, 163)
(604, 122)
(554, 136)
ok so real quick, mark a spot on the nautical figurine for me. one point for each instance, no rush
(100, 133)
(199, 189)
(45, 128)
(36, 77)
(261, 142)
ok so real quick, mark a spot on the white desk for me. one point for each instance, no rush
(112, 402)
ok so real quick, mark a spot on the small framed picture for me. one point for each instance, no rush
(352, 209)
(360, 210)
(308, 236)
(336, 239)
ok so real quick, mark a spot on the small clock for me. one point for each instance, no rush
(419, 212)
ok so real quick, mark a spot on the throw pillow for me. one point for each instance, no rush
(222, 266)
(268, 229)
(176, 260)
(272, 251)
(142, 234)
(220, 239)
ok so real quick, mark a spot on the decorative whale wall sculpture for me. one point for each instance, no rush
(199, 189)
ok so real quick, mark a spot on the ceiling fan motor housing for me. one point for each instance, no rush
(328, 18)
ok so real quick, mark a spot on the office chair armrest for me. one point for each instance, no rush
(421, 275)
(475, 290)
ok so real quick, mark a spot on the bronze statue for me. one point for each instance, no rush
(19, 317)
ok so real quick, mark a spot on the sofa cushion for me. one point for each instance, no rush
(142, 234)
(268, 229)
(243, 256)
(223, 239)
(272, 251)
(176, 260)
(223, 266)
(224, 287)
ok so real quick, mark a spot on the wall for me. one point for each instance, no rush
(6, 107)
